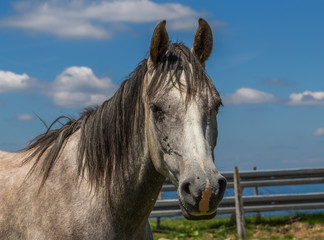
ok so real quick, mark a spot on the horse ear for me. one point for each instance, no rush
(203, 41)
(159, 43)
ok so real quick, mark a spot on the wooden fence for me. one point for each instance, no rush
(240, 204)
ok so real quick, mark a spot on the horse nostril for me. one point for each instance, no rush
(222, 186)
(186, 188)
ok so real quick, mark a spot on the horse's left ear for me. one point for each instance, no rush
(159, 43)
(203, 41)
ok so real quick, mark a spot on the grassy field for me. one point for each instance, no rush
(306, 226)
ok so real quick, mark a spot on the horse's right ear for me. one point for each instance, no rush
(203, 42)
(159, 43)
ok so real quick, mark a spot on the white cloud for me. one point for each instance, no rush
(12, 82)
(319, 132)
(138, 11)
(24, 117)
(307, 98)
(79, 87)
(74, 87)
(94, 19)
(248, 96)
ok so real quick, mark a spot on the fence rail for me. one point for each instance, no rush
(258, 203)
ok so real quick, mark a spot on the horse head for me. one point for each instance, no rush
(181, 105)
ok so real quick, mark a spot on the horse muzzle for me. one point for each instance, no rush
(199, 198)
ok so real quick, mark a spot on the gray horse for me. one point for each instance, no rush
(98, 177)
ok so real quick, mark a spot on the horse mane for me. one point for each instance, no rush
(114, 131)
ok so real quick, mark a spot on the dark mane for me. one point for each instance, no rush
(113, 132)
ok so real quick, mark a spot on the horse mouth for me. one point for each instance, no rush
(188, 214)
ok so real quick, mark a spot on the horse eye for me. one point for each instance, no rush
(219, 105)
(155, 108)
(158, 112)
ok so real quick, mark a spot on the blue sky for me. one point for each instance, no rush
(59, 56)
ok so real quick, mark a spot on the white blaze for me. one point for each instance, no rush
(194, 135)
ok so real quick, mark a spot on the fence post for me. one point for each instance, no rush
(256, 193)
(240, 221)
(158, 219)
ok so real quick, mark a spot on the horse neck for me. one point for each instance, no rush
(138, 183)
(134, 201)
(141, 183)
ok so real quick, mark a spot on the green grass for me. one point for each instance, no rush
(223, 227)
(312, 219)
(183, 229)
